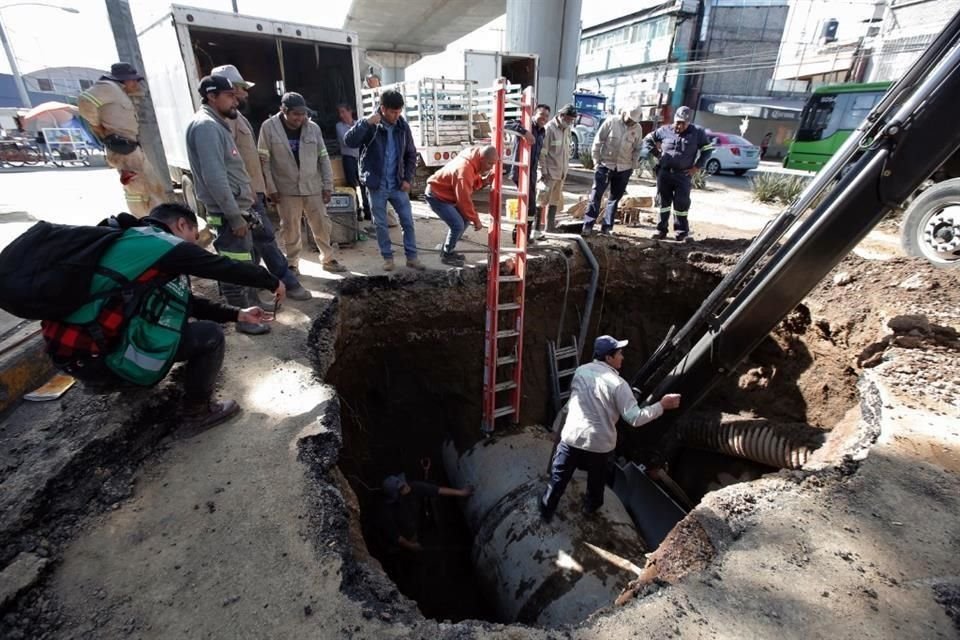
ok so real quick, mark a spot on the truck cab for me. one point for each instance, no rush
(591, 110)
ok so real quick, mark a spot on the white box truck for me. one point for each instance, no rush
(187, 42)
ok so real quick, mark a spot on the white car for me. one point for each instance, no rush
(732, 153)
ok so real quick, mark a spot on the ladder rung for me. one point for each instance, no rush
(511, 163)
(510, 333)
(564, 395)
(503, 411)
(564, 353)
(511, 250)
(510, 278)
(504, 386)
(566, 372)
(511, 359)
(508, 306)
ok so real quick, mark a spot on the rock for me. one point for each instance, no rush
(907, 323)
(842, 279)
(19, 575)
(916, 282)
(908, 342)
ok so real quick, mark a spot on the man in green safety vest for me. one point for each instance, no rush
(137, 322)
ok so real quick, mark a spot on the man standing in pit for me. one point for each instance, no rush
(616, 152)
(351, 158)
(223, 186)
(450, 195)
(683, 149)
(388, 162)
(598, 398)
(299, 178)
(535, 139)
(108, 108)
(264, 239)
(397, 518)
(554, 163)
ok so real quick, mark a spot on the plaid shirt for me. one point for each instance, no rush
(68, 342)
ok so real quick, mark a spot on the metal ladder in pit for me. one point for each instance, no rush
(506, 282)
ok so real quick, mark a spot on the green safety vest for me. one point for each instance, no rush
(155, 311)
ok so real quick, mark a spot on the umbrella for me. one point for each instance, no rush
(51, 114)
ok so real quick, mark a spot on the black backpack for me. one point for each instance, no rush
(45, 274)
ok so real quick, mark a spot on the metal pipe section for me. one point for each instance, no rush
(536, 573)
(594, 281)
(784, 446)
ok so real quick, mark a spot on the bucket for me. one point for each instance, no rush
(513, 209)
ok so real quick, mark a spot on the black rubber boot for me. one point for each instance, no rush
(552, 219)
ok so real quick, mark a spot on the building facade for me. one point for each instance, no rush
(62, 81)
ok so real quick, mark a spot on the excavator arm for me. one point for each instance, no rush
(904, 140)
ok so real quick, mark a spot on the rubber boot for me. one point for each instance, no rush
(552, 219)
(237, 296)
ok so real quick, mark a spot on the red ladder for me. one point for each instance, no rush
(503, 351)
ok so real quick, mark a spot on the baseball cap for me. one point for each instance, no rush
(122, 71)
(292, 101)
(214, 84)
(683, 114)
(605, 345)
(232, 74)
(567, 110)
(392, 486)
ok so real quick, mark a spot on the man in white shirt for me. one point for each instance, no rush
(599, 397)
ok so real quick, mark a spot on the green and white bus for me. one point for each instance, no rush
(829, 117)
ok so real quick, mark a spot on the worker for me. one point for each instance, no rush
(616, 153)
(159, 254)
(373, 81)
(299, 178)
(351, 158)
(223, 186)
(598, 398)
(388, 163)
(535, 139)
(397, 517)
(450, 195)
(554, 163)
(109, 110)
(264, 239)
(683, 149)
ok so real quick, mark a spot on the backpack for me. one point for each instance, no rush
(46, 273)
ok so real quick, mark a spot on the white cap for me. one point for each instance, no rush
(233, 75)
(635, 113)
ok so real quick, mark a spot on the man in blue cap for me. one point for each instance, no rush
(598, 398)
(398, 515)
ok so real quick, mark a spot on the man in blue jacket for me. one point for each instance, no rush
(388, 160)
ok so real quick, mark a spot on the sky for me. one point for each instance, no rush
(46, 37)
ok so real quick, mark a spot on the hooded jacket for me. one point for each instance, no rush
(372, 142)
(456, 181)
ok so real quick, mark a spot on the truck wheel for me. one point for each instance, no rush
(574, 147)
(190, 196)
(931, 226)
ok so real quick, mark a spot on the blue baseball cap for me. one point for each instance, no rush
(392, 486)
(605, 345)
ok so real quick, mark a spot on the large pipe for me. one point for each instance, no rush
(781, 445)
(537, 573)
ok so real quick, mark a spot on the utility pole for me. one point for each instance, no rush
(125, 36)
(14, 68)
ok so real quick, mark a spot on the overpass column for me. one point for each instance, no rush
(550, 29)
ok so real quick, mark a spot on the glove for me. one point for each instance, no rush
(119, 144)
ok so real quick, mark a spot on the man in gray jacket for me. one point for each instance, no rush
(616, 151)
(299, 177)
(223, 185)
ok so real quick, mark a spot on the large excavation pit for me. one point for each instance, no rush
(407, 367)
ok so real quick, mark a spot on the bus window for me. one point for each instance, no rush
(858, 110)
(815, 122)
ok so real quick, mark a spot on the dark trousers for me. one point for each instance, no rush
(351, 173)
(673, 190)
(617, 181)
(265, 247)
(201, 347)
(534, 213)
(566, 460)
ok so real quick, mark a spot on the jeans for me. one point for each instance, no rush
(449, 213)
(618, 181)
(401, 204)
(351, 173)
(265, 248)
(566, 460)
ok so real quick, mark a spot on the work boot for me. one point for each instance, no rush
(333, 267)
(200, 416)
(388, 264)
(659, 235)
(545, 515)
(453, 259)
(299, 293)
(606, 231)
(552, 218)
(682, 236)
(237, 296)
(415, 264)
(586, 232)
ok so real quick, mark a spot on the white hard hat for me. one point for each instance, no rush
(231, 73)
(635, 113)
